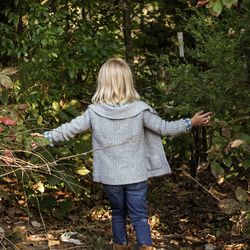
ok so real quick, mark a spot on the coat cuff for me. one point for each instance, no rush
(48, 136)
(188, 124)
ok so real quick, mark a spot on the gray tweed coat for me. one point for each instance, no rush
(126, 141)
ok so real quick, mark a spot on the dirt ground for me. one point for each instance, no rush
(183, 215)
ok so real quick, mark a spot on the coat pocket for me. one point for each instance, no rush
(154, 162)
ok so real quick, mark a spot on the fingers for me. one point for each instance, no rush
(202, 115)
(34, 146)
(37, 135)
(203, 118)
(200, 112)
(206, 121)
(207, 114)
(206, 117)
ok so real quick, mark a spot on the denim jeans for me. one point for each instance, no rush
(129, 200)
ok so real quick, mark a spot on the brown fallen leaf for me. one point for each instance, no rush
(202, 3)
(8, 157)
(52, 243)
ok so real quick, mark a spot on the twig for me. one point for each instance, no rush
(192, 178)
(10, 242)
(2, 245)
(40, 213)
(25, 162)
(93, 150)
(44, 172)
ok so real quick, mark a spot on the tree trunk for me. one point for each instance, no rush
(83, 9)
(247, 54)
(197, 150)
(127, 35)
(20, 21)
(203, 156)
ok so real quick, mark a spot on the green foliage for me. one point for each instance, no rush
(58, 50)
(55, 47)
(59, 46)
(51, 206)
(215, 7)
(49, 168)
(213, 76)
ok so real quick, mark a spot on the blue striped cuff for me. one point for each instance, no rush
(188, 124)
(48, 136)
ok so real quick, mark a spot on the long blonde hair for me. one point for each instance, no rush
(115, 83)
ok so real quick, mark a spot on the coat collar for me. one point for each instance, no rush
(121, 112)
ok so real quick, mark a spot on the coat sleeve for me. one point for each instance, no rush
(169, 128)
(69, 130)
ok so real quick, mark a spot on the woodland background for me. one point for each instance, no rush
(50, 53)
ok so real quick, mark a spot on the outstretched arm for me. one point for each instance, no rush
(162, 127)
(68, 130)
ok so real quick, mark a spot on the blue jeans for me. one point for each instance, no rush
(129, 200)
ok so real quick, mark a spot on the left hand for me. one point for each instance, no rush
(201, 118)
(37, 135)
(34, 145)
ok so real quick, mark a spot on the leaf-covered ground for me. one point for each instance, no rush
(183, 215)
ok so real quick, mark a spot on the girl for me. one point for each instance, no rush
(127, 147)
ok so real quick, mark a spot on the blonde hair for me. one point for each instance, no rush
(115, 83)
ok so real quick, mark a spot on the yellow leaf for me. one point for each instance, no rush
(9, 71)
(56, 106)
(236, 143)
(5, 81)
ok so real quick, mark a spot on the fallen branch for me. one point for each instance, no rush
(208, 191)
